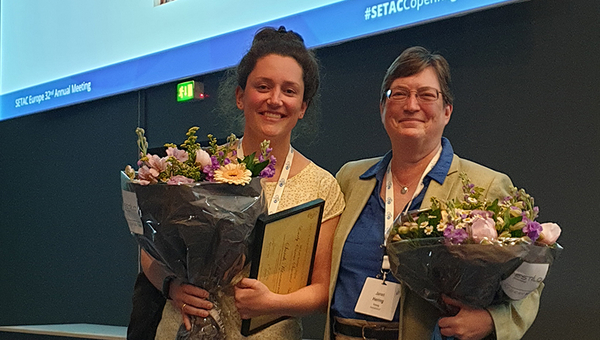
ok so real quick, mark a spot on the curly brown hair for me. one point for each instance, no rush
(269, 40)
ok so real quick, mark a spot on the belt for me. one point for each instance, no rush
(366, 332)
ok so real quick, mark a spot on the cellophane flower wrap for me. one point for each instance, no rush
(472, 250)
(194, 211)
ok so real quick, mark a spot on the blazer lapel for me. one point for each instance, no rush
(442, 191)
(354, 205)
(355, 202)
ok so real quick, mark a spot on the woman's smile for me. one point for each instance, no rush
(273, 115)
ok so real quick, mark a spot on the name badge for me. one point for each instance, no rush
(378, 298)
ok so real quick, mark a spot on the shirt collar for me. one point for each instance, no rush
(438, 173)
(441, 168)
(378, 170)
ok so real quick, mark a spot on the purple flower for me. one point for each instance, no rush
(268, 172)
(455, 236)
(215, 162)
(273, 160)
(532, 229)
(226, 161)
(481, 213)
(209, 172)
(261, 158)
(233, 153)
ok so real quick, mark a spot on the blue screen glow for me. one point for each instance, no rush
(58, 53)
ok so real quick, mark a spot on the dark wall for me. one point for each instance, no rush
(525, 79)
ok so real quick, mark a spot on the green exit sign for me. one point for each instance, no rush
(190, 90)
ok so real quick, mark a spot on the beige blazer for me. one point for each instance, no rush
(418, 317)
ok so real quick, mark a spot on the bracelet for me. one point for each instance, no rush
(167, 285)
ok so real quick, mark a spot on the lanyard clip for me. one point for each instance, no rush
(385, 267)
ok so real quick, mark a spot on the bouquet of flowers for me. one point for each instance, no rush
(472, 250)
(194, 211)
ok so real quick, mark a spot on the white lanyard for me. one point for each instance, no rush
(389, 193)
(283, 177)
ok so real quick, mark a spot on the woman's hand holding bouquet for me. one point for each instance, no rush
(194, 211)
(473, 251)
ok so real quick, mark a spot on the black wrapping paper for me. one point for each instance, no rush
(202, 232)
(470, 273)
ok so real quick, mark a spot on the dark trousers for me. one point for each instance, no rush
(146, 312)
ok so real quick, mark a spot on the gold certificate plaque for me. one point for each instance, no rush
(283, 254)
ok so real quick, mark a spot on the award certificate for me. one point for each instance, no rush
(283, 254)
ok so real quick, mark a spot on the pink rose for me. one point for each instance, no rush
(550, 233)
(147, 175)
(483, 227)
(203, 158)
(180, 155)
(176, 180)
(155, 162)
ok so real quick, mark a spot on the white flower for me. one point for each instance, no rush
(515, 211)
(445, 216)
(500, 221)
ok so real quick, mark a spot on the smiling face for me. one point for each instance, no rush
(412, 121)
(272, 100)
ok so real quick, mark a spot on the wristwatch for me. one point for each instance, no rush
(167, 285)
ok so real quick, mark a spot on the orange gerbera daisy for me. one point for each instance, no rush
(233, 174)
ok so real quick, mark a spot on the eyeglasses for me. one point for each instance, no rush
(423, 94)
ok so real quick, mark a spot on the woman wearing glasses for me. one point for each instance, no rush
(415, 106)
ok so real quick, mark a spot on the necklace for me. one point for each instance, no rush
(404, 189)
